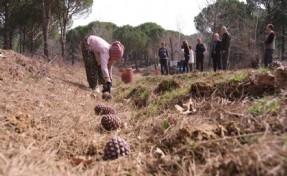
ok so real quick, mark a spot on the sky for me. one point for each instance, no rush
(176, 15)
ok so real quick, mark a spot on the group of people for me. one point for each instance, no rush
(219, 52)
(99, 56)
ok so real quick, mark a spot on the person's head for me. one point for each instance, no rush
(223, 30)
(163, 44)
(185, 43)
(198, 40)
(116, 51)
(269, 27)
(215, 36)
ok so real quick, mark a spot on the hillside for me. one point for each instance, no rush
(224, 123)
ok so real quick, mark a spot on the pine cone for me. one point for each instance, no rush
(102, 109)
(110, 122)
(107, 96)
(115, 148)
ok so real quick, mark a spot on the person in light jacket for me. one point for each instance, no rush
(99, 57)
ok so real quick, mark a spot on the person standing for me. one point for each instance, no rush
(269, 44)
(186, 51)
(225, 45)
(191, 59)
(163, 55)
(199, 50)
(99, 57)
(215, 54)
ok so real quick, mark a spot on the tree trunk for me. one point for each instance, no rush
(283, 43)
(46, 15)
(24, 39)
(21, 42)
(32, 44)
(171, 49)
(135, 59)
(63, 41)
(6, 25)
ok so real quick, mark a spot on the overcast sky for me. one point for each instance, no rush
(174, 15)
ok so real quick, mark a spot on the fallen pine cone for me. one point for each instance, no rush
(107, 96)
(102, 109)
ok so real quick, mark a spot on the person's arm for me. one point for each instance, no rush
(166, 52)
(110, 67)
(205, 48)
(104, 66)
(270, 38)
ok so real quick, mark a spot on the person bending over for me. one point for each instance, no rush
(99, 57)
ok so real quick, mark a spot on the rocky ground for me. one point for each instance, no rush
(224, 123)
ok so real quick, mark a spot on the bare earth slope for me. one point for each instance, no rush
(231, 123)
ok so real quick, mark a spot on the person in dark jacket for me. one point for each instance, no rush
(199, 57)
(225, 45)
(186, 51)
(216, 55)
(163, 55)
(269, 44)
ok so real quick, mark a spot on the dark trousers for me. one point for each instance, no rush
(268, 57)
(93, 69)
(199, 62)
(225, 59)
(216, 63)
(185, 64)
(163, 66)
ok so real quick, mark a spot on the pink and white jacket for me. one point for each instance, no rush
(101, 50)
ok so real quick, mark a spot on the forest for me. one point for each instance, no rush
(43, 28)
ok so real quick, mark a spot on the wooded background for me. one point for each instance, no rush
(42, 28)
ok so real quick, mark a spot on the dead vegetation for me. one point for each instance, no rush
(48, 124)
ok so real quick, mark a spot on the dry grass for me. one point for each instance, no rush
(48, 125)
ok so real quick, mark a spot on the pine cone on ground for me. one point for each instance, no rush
(110, 122)
(107, 96)
(102, 109)
(115, 148)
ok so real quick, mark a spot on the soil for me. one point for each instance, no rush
(48, 126)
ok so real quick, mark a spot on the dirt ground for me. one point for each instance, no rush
(225, 123)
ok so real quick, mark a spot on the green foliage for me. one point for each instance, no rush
(249, 139)
(139, 96)
(167, 85)
(238, 78)
(168, 97)
(165, 124)
(139, 92)
(153, 31)
(132, 38)
(264, 106)
(264, 70)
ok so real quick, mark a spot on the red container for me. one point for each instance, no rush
(127, 75)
